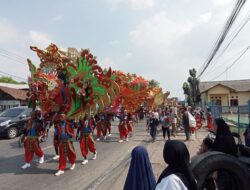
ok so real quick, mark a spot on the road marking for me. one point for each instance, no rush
(122, 162)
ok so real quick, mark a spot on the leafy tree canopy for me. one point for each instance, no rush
(153, 83)
(9, 80)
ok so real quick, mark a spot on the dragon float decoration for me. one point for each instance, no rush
(60, 85)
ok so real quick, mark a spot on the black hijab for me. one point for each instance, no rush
(177, 157)
(224, 141)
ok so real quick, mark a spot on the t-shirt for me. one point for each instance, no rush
(165, 121)
(171, 182)
(174, 110)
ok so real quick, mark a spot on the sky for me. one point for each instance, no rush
(156, 39)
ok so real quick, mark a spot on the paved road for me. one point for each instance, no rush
(111, 156)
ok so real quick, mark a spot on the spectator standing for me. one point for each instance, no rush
(185, 122)
(224, 142)
(153, 122)
(177, 175)
(174, 113)
(165, 124)
(247, 134)
(140, 175)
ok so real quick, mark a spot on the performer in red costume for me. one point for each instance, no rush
(34, 129)
(130, 124)
(56, 138)
(198, 120)
(108, 123)
(65, 132)
(123, 128)
(101, 127)
(209, 119)
(85, 133)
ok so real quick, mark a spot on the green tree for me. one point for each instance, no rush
(10, 80)
(191, 88)
(153, 83)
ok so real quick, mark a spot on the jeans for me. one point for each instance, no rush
(153, 132)
(164, 129)
(187, 132)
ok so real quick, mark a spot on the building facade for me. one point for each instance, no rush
(12, 96)
(225, 93)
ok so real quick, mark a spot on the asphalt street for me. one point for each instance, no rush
(110, 158)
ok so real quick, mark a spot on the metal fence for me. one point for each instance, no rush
(235, 116)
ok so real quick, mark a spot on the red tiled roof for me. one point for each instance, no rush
(15, 93)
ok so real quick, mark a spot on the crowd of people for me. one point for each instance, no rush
(65, 131)
(178, 175)
(173, 119)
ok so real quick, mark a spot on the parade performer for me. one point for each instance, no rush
(56, 137)
(85, 134)
(108, 123)
(123, 128)
(65, 132)
(209, 119)
(198, 120)
(130, 124)
(101, 126)
(34, 130)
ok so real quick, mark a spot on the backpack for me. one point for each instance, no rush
(191, 120)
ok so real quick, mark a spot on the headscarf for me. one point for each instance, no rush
(224, 141)
(223, 128)
(177, 157)
(140, 175)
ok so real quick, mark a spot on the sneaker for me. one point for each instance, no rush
(59, 172)
(127, 139)
(120, 141)
(98, 139)
(26, 165)
(72, 166)
(94, 156)
(41, 160)
(109, 135)
(85, 162)
(56, 157)
(105, 138)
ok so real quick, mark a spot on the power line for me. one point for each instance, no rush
(12, 75)
(12, 58)
(223, 35)
(244, 24)
(235, 61)
(12, 54)
(212, 69)
(236, 33)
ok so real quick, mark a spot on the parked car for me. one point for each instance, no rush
(12, 121)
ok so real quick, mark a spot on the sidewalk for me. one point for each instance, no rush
(155, 151)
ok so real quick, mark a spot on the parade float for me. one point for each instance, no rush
(60, 85)
(74, 88)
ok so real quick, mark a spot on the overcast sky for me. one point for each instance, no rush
(157, 39)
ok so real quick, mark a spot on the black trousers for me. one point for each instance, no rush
(164, 129)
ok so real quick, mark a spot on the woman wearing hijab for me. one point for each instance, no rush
(178, 175)
(140, 175)
(224, 141)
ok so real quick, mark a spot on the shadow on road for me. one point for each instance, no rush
(12, 165)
